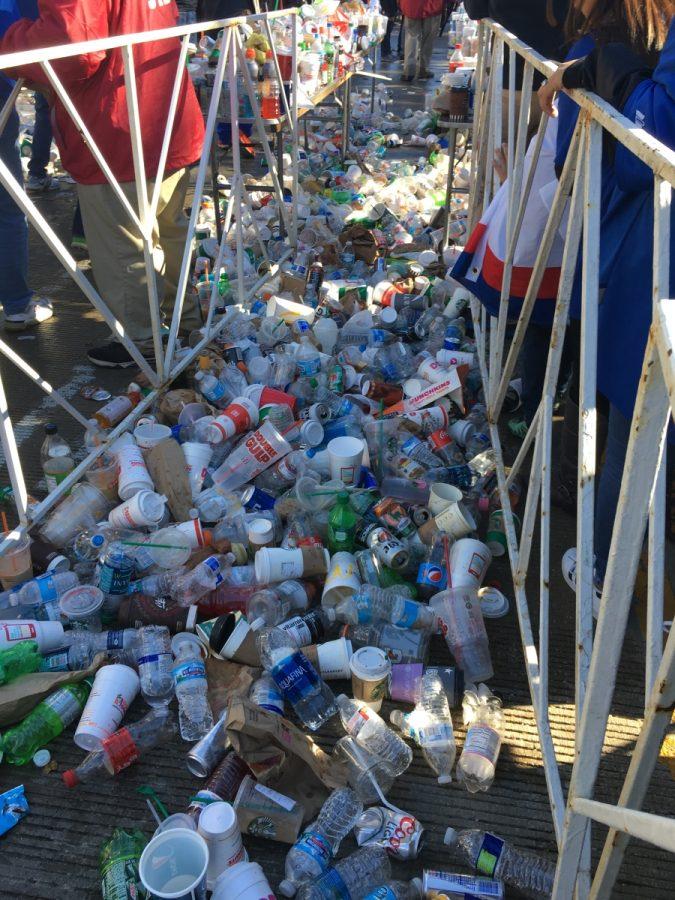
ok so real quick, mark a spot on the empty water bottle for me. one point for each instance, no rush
(204, 578)
(484, 715)
(375, 604)
(155, 664)
(158, 585)
(39, 598)
(495, 857)
(298, 680)
(270, 606)
(194, 713)
(351, 878)
(311, 854)
(397, 890)
(373, 733)
(265, 693)
(118, 645)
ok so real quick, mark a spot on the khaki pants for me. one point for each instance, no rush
(419, 44)
(116, 252)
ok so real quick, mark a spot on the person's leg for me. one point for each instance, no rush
(14, 291)
(609, 487)
(429, 34)
(413, 34)
(386, 40)
(42, 140)
(77, 235)
(534, 356)
(401, 34)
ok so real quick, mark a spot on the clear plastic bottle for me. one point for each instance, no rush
(269, 607)
(265, 694)
(418, 450)
(194, 713)
(40, 596)
(159, 585)
(308, 358)
(155, 664)
(310, 628)
(374, 604)
(496, 858)
(204, 578)
(118, 645)
(485, 717)
(402, 645)
(297, 679)
(123, 747)
(351, 877)
(211, 387)
(56, 457)
(397, 890)
(311, 854)
(373, 733)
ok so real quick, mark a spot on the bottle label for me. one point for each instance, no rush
(357, 721)
(489, 854)
(13, 633)
(378, 336)
(296, 677)
(119, 879)
(189, 671)
(115, 640)
(120, 750)
(307, 367)
(216, 392)
(439, 733)
(314, 844)
(483, 741)
(432, 576)
(409, 615)
(267, 698)
(65, 704)
(381, 893)
(213, 564)
(114, 580)
(55, 662)
(54, 480)
(156, 659)
(47, 587)
(307, 629)
(331, 885)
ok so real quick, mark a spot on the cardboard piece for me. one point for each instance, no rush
(363, 242)
(293, 284)
(166, 464)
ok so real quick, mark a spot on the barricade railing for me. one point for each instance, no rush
(642, 500)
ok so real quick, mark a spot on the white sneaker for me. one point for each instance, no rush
(35, 313)
(568, 565)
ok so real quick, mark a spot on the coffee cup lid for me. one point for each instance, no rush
(260, 531)
(493, 603)
(370, 664)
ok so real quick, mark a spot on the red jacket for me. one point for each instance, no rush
(421, 9)
(95, 83)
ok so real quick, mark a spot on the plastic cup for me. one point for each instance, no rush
(103, 475)
(219, 827)
(342, 579)
(115, 688)
(345, 455)
(85, 506)
(261, 449)
(168, 548)
(193, 411)
(148, 436)
(455, 520)
(362, 767)
(371, 671)
(16, 565)
(461, 431)
(331, 658)
(441, 496)
(133, 473)
(177, 820)
(173, 865)
(81, 606)
(197, 458)
(469, 561)
(144, 510)
(245, 881)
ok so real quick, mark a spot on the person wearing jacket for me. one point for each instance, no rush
(95, 84)
(422, 22)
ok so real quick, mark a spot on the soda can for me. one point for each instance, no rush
(317, 411)
(255, 500)
(369, 566)
(336, 379)
(453, 338)
(420, 515)
(399, 833)
(392, 515)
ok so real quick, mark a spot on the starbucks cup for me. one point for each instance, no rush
(455, 520)
(115, 688)
(197, 458)
(342, 580)
(149, 435)
(173, 865)
(245, 881)
(345, 455)
(219, 827)
(441, 496)
(331, 658)
(469, 561)
(144, 510)
(133, 473)
(371, 671)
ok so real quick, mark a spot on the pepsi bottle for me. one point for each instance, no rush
(432, 575)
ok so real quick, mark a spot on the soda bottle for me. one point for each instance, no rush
(432, 575)
(350, 877)
(311, 854)
(118, 407)
(496, 858)
(296, 677)
(270, 107)
(477, 764)
(120, 856)
(56, 457)
(373, 733)
(375, 604)
(342, 525)
(155, 664)
(123, 747)
(194, 713)
(49, 718)
(21, 659)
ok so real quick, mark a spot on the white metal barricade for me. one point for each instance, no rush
(643, 487)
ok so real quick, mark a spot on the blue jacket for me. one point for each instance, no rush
(10, 12)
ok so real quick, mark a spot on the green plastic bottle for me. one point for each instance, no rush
(44, 723)
(342, 525)
(21, 659)
(118, 863)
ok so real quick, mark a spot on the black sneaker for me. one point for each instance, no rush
(110, 356)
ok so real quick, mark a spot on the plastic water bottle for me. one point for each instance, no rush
(397, 890)
(123, 747)
(204, 578)
(21, 659)
(118, 645)
(269, 607)
(352, 877)
(49, 718)
(114, 576)
(430, 725)
(189, 673)
(40, 597)
(484, 715)
(296, 678)
(211, 387)
(308, 358)
(265, 694)
(373, 604)
(155, 664)
(311, 854)
(496, 858)
(373, 733)
(310, 628)
(159, 585)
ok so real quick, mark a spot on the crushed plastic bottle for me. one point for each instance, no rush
(353, 876)
(484, 715)
(372, 732)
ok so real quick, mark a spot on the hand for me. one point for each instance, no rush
(550, 88)
(501, 163)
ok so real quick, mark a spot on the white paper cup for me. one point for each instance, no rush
(197, 458)
(193, 531)
(332, 658)
(148, 436)
(342, 579)
(219, 827)
(455, 520)
(449, 358)
(433, 371)
(441, 496)
(114, 690)
(279, 564)
(461, 431)
(371, 671)
(469, 561)
(143, 510)
(133, 475)
(346, 455)
(173, 865)
(245, 881)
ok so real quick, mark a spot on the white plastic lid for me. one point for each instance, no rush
(388, 315)
(81, 601)
(218, 820)
(370, 663)
(311, 432)
(413, 387)
(151, 504)
(493, 603)
(182, 639)
(260, 531)
(42, 758)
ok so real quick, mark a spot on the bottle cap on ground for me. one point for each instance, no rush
(42, 758)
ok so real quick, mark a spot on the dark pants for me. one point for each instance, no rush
(42, 138)
(534, 357)
(14, 290)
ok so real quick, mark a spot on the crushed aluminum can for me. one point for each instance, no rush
(400, 834)
(93, 392)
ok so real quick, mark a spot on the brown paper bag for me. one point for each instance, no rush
(227, 681)
(363, 242)
(166, 464)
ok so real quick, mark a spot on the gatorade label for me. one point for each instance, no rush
(295, 677)
(483, 741)
(331, 885)
(315, 845)
(432, 576)
(189, 671)
(489, 854)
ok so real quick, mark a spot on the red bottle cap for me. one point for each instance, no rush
(70, 778)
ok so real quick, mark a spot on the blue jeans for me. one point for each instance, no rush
(609, 487)
(42, 138)
(14, 290)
